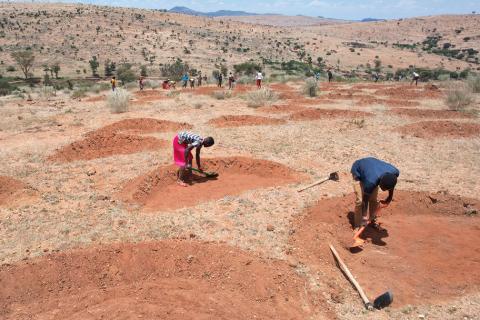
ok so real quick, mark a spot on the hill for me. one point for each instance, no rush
(219, 13)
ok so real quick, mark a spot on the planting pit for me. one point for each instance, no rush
(145, 96)
(158, 190)
(435, 114)
(243, 120)
(169, 279)
(428, 251)
(12, 191)
(316, 114)
(286, 108)
(411, 92)
(441, 129)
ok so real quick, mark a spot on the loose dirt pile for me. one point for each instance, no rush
(243, 120)
(411, 92)
(428, 251)
(158, 190)
(106, 145)
(10, 190)
(287, 108)
(315, 114)
(145, 96)
(441, 129)
(163, 280)
(435, 114)
(144, 125)
(118, 138)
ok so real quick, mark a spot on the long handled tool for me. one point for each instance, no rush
(333, 176)
(357, 241)
(206, 174)
(380, 302)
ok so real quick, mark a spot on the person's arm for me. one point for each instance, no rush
(187, 152)
(389, 199)
(197, 157)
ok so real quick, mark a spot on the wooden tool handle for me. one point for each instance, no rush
(350, 277)
(313, 185)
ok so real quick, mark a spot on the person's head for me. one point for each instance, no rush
(113, 77)
(208, 142)
(388, 181)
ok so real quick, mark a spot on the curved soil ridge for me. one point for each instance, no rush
(158, 190)
(144, 125)
(243, 120)
(408, 92)
(428, 251)
(441, 129)
(12, 190)
(106, 145)
(287, 108)
(316, 114)
(169, 279)
(428, 113)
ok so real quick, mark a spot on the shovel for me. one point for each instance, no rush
(206, 174)
(382, 301)
(333, 176)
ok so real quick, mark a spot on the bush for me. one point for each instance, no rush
(444, 77)
(175, 70)
(118, 100)
(474, 83)
(152, 84)
(11, 69)
(247, 68)
(222, 95)
(245, 80)
(125, 73)
(260, 97)
(79, 93)
(310, 88)
(458, 98)
(5, 87)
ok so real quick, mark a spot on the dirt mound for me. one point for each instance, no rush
(428, 251)
(410, 93)
(287, 108)
(10, 190)
(143, 125)
(441, 129)
(435, 114)
(163, 280)
(315, 114)
(101, 145)
(145, 96)
(243, 120)
(158, 190)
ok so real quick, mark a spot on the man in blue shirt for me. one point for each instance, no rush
(369, 174)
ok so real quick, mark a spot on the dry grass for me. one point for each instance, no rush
(459, 97)
(260, 98)
(118, 100)
(310, 88)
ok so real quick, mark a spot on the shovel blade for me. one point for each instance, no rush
(384, 300)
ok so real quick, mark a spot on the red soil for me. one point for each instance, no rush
(401, 103)
(95, 99)
(118, 138)
(243, 120)
(207, 91)
(411, 92)
(288, 108)
(441, 129)
(315, 114)
(10, 190)
(144, 125)
(436, 114)
(281, 87)
(106, 145)
(158, 190)
(427, 253)
(163, 280)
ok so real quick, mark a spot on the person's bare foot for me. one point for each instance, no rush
(181, 183)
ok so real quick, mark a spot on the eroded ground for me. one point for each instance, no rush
(76, 177)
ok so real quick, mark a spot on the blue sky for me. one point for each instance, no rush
(343, 9)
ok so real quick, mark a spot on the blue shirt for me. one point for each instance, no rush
(369, 171)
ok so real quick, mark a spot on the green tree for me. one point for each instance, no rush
(94, 66)
(125, 73)
(143, 71)
(175, 70)
(25, 60)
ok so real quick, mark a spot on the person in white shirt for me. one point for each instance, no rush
(415, 78)
(259, 79)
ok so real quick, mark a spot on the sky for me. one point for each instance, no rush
(340, 9)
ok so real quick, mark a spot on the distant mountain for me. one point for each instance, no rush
(371, 20)
(219, 13)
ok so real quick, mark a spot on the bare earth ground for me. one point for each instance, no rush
(247, 244)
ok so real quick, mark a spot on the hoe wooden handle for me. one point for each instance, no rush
(313, 185)
(350, 277)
